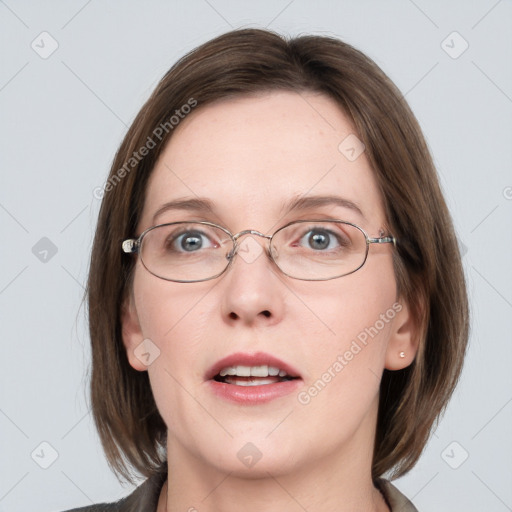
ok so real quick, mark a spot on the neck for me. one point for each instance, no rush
(335, 484)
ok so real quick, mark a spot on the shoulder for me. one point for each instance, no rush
(143, 499)
(396, 500)
(103, 507)
(100, 507)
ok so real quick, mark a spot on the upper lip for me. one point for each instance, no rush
(256, 359)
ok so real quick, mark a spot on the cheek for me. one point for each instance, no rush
(355, 318)
(353, 307)
(165, 308)
(171, 315)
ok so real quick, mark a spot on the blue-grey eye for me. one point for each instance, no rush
(191, 241)
(318, 239)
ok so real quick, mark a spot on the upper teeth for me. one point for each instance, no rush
(252, 371)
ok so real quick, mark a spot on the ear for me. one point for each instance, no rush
(132, 332)
(404, 338)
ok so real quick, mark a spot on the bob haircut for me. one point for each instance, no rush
(427, 262)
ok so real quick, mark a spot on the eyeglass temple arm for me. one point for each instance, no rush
(383, 240)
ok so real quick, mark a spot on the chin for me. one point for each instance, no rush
(250, 456)
(250, 462)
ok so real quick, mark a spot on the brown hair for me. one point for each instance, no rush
(427, 262)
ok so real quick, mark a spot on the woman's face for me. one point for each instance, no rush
(249, 159)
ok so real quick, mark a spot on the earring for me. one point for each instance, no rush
(402, 354)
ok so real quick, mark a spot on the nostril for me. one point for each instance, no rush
(266, 313)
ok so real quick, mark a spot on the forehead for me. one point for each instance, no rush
(251, 156)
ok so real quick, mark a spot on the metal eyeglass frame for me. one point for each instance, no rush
(133, 245)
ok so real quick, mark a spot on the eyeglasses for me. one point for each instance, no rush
(309, 250)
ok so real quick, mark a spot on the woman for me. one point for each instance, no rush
(277, 306)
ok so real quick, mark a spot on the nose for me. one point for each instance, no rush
(253, 293)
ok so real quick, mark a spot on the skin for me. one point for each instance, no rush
(250, 156)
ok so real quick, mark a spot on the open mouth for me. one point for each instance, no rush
(252, 375)
(252, 379)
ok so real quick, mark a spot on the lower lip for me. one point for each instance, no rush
(250, 395)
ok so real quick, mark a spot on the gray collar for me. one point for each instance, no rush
(397, 502)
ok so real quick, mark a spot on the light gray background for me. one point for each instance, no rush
(62, 119)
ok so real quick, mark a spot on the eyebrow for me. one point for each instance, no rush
(310, 202)
(202, 205)
(195, 205)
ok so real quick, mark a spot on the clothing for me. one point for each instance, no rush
(396, 501)
(145, 498)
